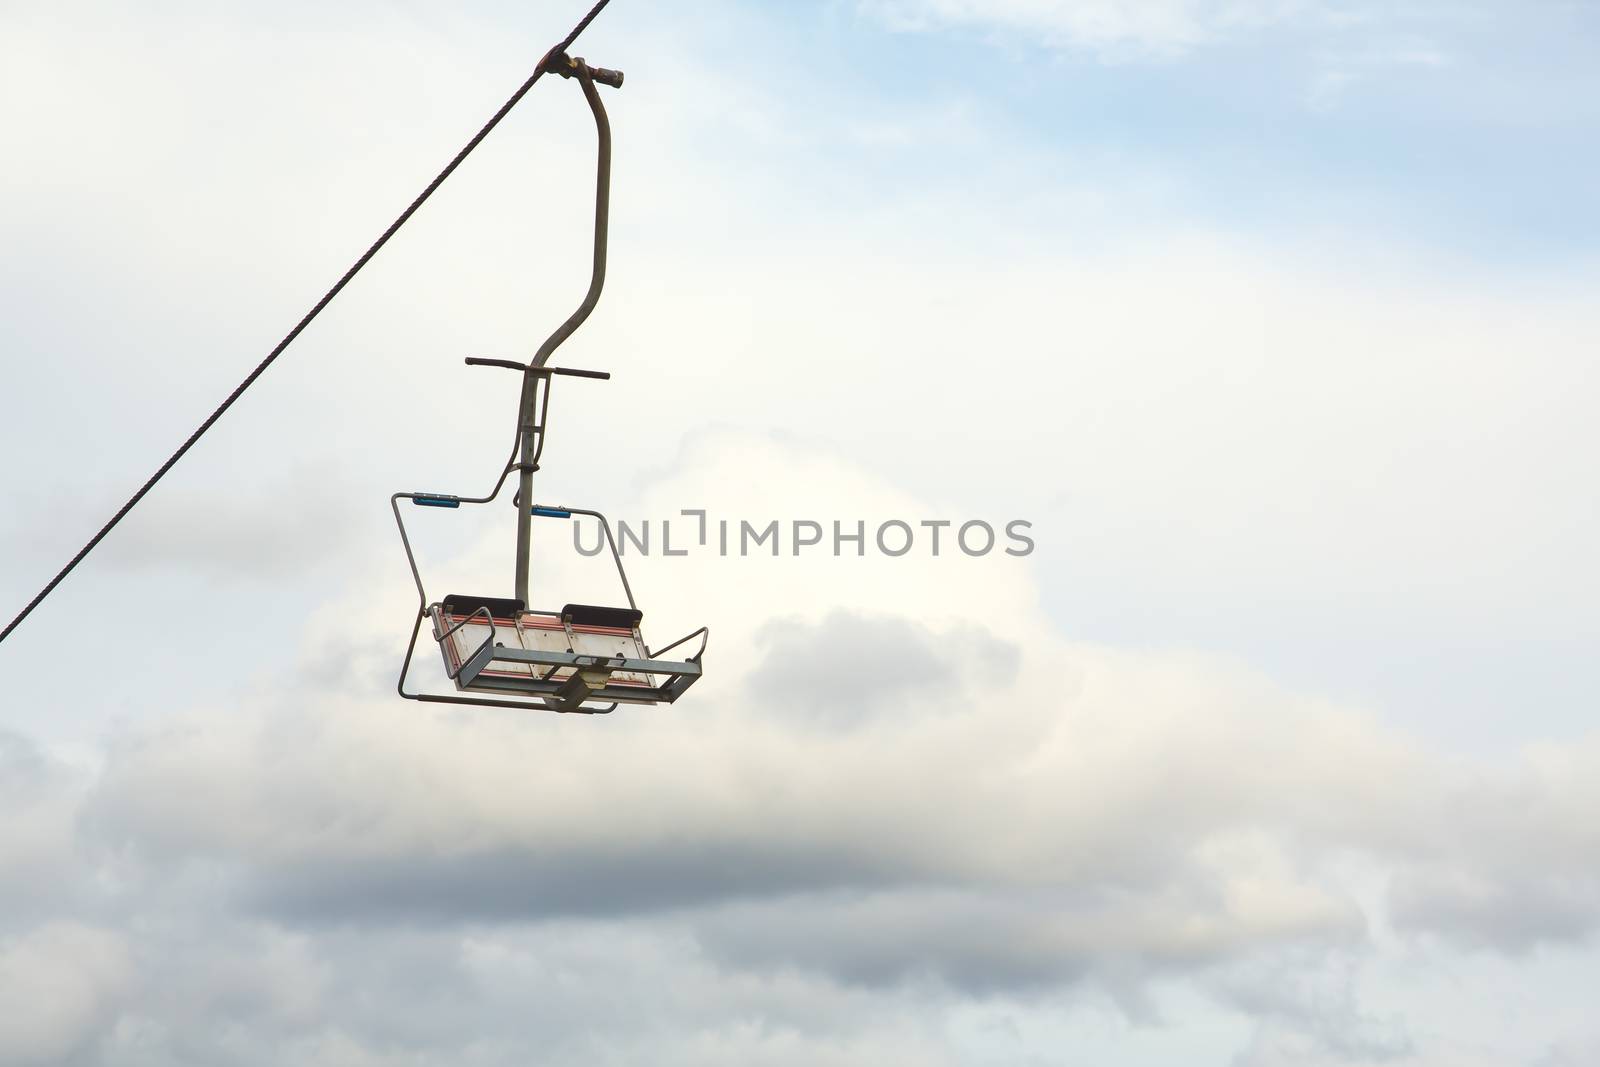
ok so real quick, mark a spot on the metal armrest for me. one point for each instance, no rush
(704, 633)
(441, 638)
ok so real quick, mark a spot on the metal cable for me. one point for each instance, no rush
(316, 309)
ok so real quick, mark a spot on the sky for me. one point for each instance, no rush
(1271, 319)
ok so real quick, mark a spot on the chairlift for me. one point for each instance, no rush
(498, 651)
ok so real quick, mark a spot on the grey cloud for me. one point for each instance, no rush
(23, 768)
(1277, 1043)
(534, 883)
(1497, 906)
(251, 994)
(987, 940)
(1307, 1011)
(349, 884)
(61, 985)
(1573, 1053)
(1510, 863)
(1065, 848)
(40, 870)
(850, 669)
(339, 814)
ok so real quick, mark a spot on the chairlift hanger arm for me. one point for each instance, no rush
(531, 430)
(569, 67)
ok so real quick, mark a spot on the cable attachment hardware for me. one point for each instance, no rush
(566, 66)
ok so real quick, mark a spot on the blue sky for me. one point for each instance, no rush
(1464, 129)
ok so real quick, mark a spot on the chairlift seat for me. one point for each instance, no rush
(572, 658)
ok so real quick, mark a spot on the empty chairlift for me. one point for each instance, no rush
(499, 651)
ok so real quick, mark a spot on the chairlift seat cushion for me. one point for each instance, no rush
(589, 615)
(499, 607)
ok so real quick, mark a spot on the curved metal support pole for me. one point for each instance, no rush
(597, 280)
(602, 218)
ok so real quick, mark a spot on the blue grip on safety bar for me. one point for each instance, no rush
(551, 513)
(424, 501)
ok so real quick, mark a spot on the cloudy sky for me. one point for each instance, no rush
(1274, 318)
